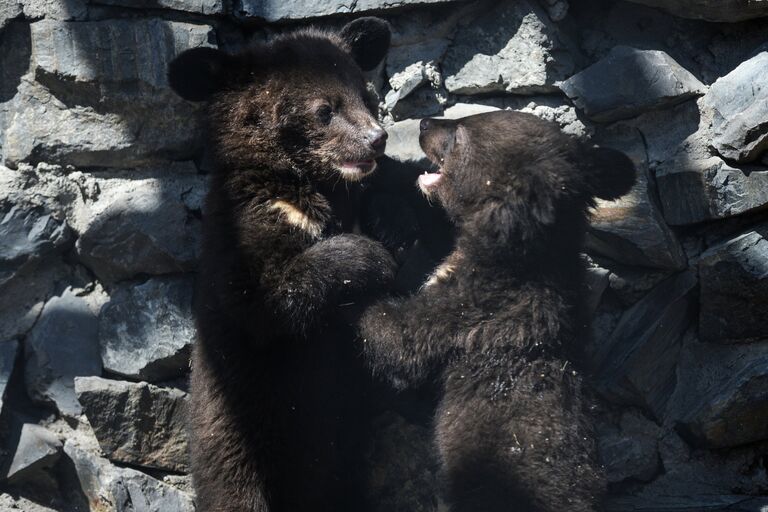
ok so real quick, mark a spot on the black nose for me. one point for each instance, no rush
(377, 138)
(425, 124)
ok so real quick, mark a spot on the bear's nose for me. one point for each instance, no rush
(425, 124)
(377, 138)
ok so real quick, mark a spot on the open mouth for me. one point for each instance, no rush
(355, 171)
(430, 179)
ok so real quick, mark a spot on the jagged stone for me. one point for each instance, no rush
(631, 451)
(396, 482)
(37, 449)
(513, 48)
(112, 488)
(734, 289)
(195, 6)
(8, 352)
(55, 9)
(711, 10)
(142, 224)
(63, 345)
(136, 423)
(146, 330)
(107, 95)
(739, 105)
(722, 395)
(302, 9)
(631, 229)
(8, 10)
(628, 82)
(636, 365)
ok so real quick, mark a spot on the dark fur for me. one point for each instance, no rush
(275, 388)
(501, 332)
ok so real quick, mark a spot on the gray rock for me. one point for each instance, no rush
(195, 6)
(628, 82)
(108, 487)
(739, 103)
(141, 223)
(636, 365)
(8, 352)
(722, 396)
(146, 330)
(711, 10)
(734, 289)
(695, 190)
(302, 9)
(63, 345)
(9, 10)
(596, 283)
(37, 449)
(631, 229)
(630, 452)
(512, 48)
(107, 95)
(398, 482)
(10, 503)
(138, 424)
(56, 9)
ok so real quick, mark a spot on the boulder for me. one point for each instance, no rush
(631, 451)
(117, 489)
(8, 11)
(711, 10)
(721, 399)
(141, 223)
(136, 423)
(55, 9)
(62, 345)
(512, 48)
(739, 105)
(627, 82)
(302, 9)
(107, 95)
(631, 230)
(146, 330)
(208, 7)
(636, 364)
(37, 449)
(734, 289)
(8, 352)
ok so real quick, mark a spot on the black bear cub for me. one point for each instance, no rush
(497, 323)
(275, 387)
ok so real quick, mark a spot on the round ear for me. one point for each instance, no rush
(611, 173)
(198, 73)
(368, 40)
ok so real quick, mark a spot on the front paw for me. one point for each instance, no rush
(366, 266)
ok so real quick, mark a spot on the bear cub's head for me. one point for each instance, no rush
(518, 177)
(298, 104)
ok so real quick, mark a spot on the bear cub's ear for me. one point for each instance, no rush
(198, 73)
(368, 40)
(611, 173)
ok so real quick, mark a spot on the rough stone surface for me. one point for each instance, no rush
(195, 6)
(734, 289)
(37, 449)
(107, 94)
(301, 9)
(512, 48)
(142, 224)
(629, 81)
(63, 344)
(630, 451)
(109, 487)
(8, 352)
(56, 9)
(722, 397)
(739, 102)
(9, 10)
(637, 363)
(631, 230)
(138, 424)
(146, 330)
(712, 10)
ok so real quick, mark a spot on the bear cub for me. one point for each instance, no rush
(497, 323)
(276, 393)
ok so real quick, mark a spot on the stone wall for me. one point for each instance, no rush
(102, 177)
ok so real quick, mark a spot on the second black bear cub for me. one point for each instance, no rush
(497, 322)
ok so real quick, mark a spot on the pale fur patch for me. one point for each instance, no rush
(441, 273)
(297, 218)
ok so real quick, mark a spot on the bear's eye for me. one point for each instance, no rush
(324, 114)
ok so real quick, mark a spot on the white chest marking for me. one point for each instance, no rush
(297, 218)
